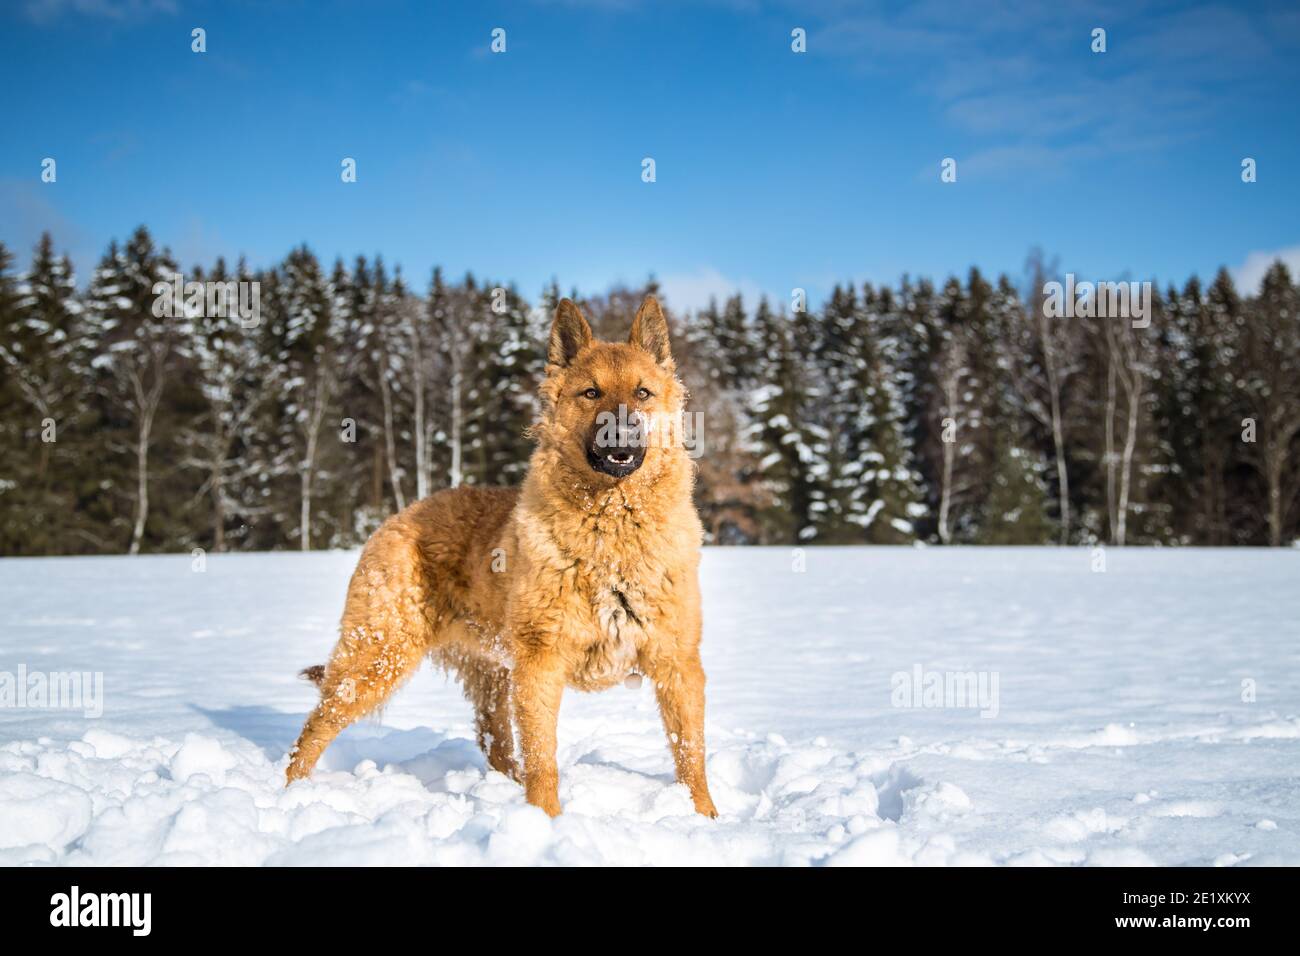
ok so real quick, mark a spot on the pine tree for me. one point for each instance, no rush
(476, 325)
(1015, 509)
(1198, 412)
(778, 412)
(835, 363)
(305, 343)
(511, 368)
(236, 381)
(886, 500)
(810, 395)
(354, 497)
(14, 457)
(43, 358)
(388, 365)
(138, 354)
(1224, 516)
(1272, 399)
(735, 345)
(914, 341)
(444, 414)
(971, 427)
(730, 493)
(703, 336)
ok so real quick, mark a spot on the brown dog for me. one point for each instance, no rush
(586, 576)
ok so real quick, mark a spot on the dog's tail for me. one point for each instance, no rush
(315, 674)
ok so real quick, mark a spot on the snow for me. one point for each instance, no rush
(1127, 729)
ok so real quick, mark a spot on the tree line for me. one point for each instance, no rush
(953, 413)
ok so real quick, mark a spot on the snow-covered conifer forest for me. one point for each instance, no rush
(946, 411)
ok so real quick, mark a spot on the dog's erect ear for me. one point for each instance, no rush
(570, 334)
(650, 330)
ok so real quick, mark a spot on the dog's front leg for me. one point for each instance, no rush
(679, 686)
(538, 685)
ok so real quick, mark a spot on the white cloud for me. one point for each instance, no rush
(1250, 273)
(45, 11)
(690, 292)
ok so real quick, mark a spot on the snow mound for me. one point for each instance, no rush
(41, 812)
(208, 801)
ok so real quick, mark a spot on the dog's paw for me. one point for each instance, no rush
(704, 806)
(550, 805)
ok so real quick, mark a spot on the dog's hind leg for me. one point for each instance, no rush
(487, 685)
(385, 632)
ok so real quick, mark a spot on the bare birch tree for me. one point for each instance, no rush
(1042, 359)
(1127, 365)
(951, 372)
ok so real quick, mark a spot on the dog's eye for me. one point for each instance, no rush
(592, 393)
(643, 393)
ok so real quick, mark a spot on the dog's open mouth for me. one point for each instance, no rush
(615, 462)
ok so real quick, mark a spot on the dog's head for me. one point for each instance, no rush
(611, 406)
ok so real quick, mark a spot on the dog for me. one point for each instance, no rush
(587, 576)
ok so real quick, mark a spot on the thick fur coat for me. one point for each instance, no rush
(585, 577)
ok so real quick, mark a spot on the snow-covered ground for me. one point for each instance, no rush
(1127, 728)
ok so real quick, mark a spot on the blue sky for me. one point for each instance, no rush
(774, 169)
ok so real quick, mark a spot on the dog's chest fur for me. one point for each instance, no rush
(618, 636)
(618, 594)
(608, 567)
